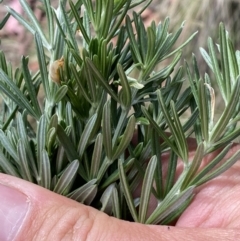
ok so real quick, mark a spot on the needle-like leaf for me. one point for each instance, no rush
(146, 189)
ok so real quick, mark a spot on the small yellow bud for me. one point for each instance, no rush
(54, 70)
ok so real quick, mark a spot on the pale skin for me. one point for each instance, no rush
(214, 214)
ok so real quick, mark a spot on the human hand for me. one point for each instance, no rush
(30, 212)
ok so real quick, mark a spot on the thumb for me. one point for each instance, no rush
(30, 212)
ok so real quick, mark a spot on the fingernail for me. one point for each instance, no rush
(13, 209)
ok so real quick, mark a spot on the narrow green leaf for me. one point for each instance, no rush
(90, 10)
(206, 57)
(224, 60)
(126, 100)
(225, 139)
(204, 111)
(7, 166)
(174, 37)
(228, 112)
(164, 209)
(162, 74)
(134, 46)
(9, 119)
(66, 179)
(51, 138)
(60, 94)
(116, 204)
(77, 57)
(89, 195)
(177, 136)
(69, 27)
(127, 137)
(141, 35)
(210, 103)
(193, 166)
(60, 158)
(4, 140)
(59, 37)
(181, 46)
(107, 130)
(172, 217)
(24, 167)
(67, 144)
(4, 20)
(3, 62)
(41, 138)
(35, 22)
(127, 192)
(96, 156)
(21, 128)
(162, 32)
(160, 132)
(216, 69)
(85, 137)
(207, 169)
(45, 170)
(30, 87)
(146, 189)
(158, 176)
(80, 84)
(79, 22)
(151, 39)
(91, 83)
(107, 199)
(87, 27)
(237, 54)
(120, 124)
(142, 121)
(171, 172)
(115, 175)
(14, 93)
(70, 150)
(42, 65)
(231, 161)
(101, 79)
(81, 189)
(179, 129)
(119, 20)
(86, 193)
(50, 20)
(53, 123)
(138, 2)
(105, 22)
(233, 66)
(21, 20)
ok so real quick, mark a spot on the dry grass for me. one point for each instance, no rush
(204, 16)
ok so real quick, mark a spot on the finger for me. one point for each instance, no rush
(29, 212)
